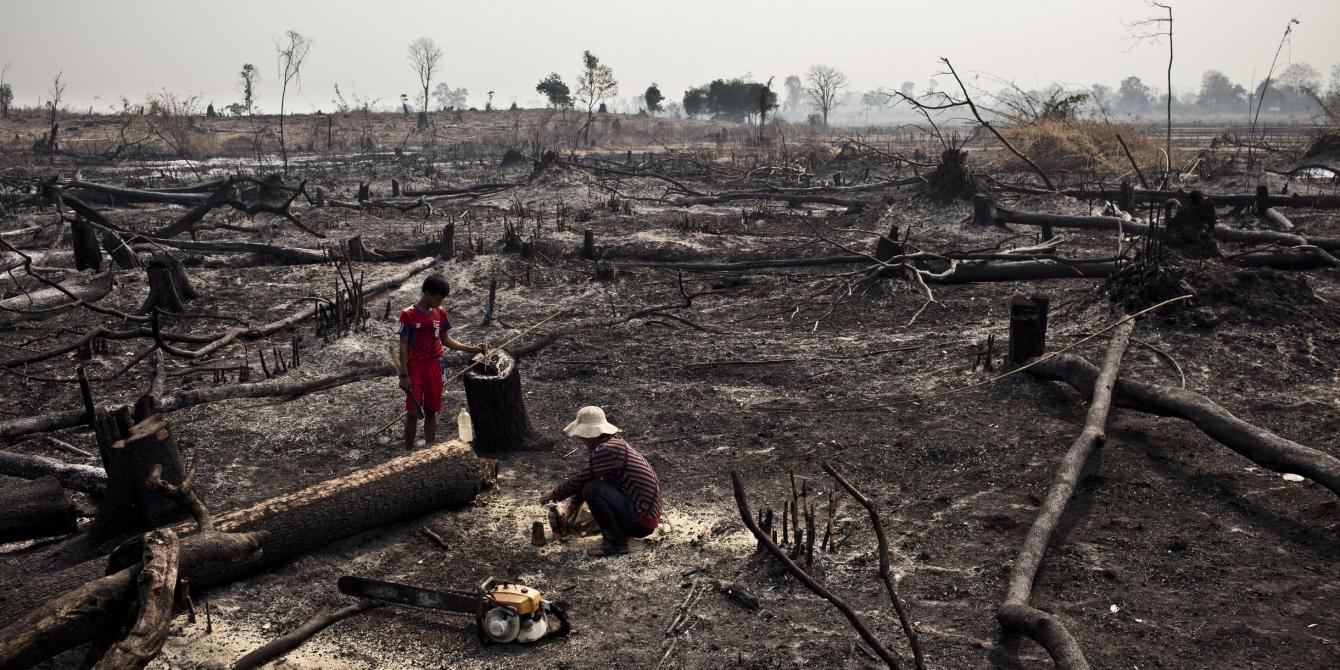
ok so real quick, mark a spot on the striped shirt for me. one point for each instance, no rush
(621, 465)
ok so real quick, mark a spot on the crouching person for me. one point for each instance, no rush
(617, 484)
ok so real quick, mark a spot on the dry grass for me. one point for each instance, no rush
(1086, 145)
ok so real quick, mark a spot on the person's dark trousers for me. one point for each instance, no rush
(612, 510)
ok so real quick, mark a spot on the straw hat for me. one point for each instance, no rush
(590, 422)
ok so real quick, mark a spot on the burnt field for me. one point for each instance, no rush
(761, 307)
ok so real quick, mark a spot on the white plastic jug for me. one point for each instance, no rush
(465, 431)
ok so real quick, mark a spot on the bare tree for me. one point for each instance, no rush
(290, 55)
(424, 57)
(824, 84)
(56, 91)
(595, 84)
(1154, 29)
(7, 93)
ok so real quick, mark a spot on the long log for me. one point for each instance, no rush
(293, 255)
(128, 195)
(85, 478)
(1220, 199)
(39, 423)
(1331, 244)
(50, 301)
(445, 476)
(33, 509)
(157, 584)
(1016, 614)
(1252, 442)
(790, 199)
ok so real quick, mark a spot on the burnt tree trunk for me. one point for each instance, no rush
(448, 246)
(888, 246)
(119, 249)
(1028, 335)
(445, 476)
(33, 509)
(983, 210)
(169, 287)
(87, 253)
(130, 506)
(498, 409)
(84, 478)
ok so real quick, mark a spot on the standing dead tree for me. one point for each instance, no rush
(1016, 614)
(824, 84)
(1155, 29)
(290, 55)
(967, 100)
(424, 56)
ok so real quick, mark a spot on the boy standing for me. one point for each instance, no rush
(424, 330)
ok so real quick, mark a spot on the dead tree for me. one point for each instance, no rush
(87, 253)
(498, 408)
(34, 509)
(131, 505)
(1016, 615)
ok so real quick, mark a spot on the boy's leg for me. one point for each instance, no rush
(411, 427)
(429, 426)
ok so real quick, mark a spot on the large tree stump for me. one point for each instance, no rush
(87, 253)
(445, 476)
(1191, 228)
(130, 506)
(169, 287)
(497, 407)
(34, 508)
(447, 247)
(1028, 335)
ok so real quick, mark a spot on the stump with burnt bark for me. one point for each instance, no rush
(129, 453)
(498, 408)
(87, 252)
(34, 509)
(1190, 229)
(169, 287)
(119, 249)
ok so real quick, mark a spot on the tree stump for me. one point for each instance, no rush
(357, 252)
(1191, 229)
(87, 253)
(121, 253)
(169, 287)
(588, 244)
(498, 409)
(1126, 197)
(983, 210)
(1027, 337)
(889, 245)
(395, 188)
(130, 506)
(447, 248)
(33, 509)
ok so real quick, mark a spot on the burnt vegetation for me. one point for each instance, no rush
(1017, 381)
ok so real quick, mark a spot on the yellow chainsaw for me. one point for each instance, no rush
(504, 611)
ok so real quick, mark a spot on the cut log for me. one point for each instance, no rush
(792, 200)
(125, 196)
(85, 478)
(1252, 442)
(157, 583)
(291, 255)
(498, 408)
(445, 476)
(34, 509)
(1220, 199)
(1016, 615)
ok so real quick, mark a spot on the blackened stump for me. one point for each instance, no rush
(1027, 338)
(169, 288)
(87, 253)
(130, 506)
(498, 409)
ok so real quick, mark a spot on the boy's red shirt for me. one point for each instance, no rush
(424, 329)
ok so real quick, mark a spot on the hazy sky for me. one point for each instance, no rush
(111, 48)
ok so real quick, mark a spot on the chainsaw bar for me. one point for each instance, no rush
(460, 602)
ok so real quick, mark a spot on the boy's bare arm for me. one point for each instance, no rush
(404, 362)
(451, 343)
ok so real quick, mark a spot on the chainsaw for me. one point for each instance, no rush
(504, 611)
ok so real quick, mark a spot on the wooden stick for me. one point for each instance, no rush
(289, 641)
(909, 628)
(743, 503)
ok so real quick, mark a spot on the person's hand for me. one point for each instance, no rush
(546, 498)
(404, 384)
(483, 348)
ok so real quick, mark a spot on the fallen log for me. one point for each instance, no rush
(85, 478)
(1219, 199)
(790, 199)
(125, 196)
(1136, 228)
(291, 255)
(1252, 442)
(51, 301)
(39, 423)
(65, 619)
(445, 476)
(990, 271)
(1016, 615)
(157, 583)
(477, 188)
(693, 266)
(34, 509)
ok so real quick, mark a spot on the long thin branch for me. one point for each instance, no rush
(1019, 154)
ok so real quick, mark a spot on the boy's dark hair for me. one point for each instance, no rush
(436, 285)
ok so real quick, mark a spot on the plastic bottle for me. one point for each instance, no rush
(465, 431)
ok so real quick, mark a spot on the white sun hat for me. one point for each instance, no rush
(590, 422)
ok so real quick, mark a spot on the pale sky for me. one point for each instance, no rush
(111, 48)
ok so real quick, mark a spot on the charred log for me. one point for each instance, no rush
(35, 509)
(85, 478)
